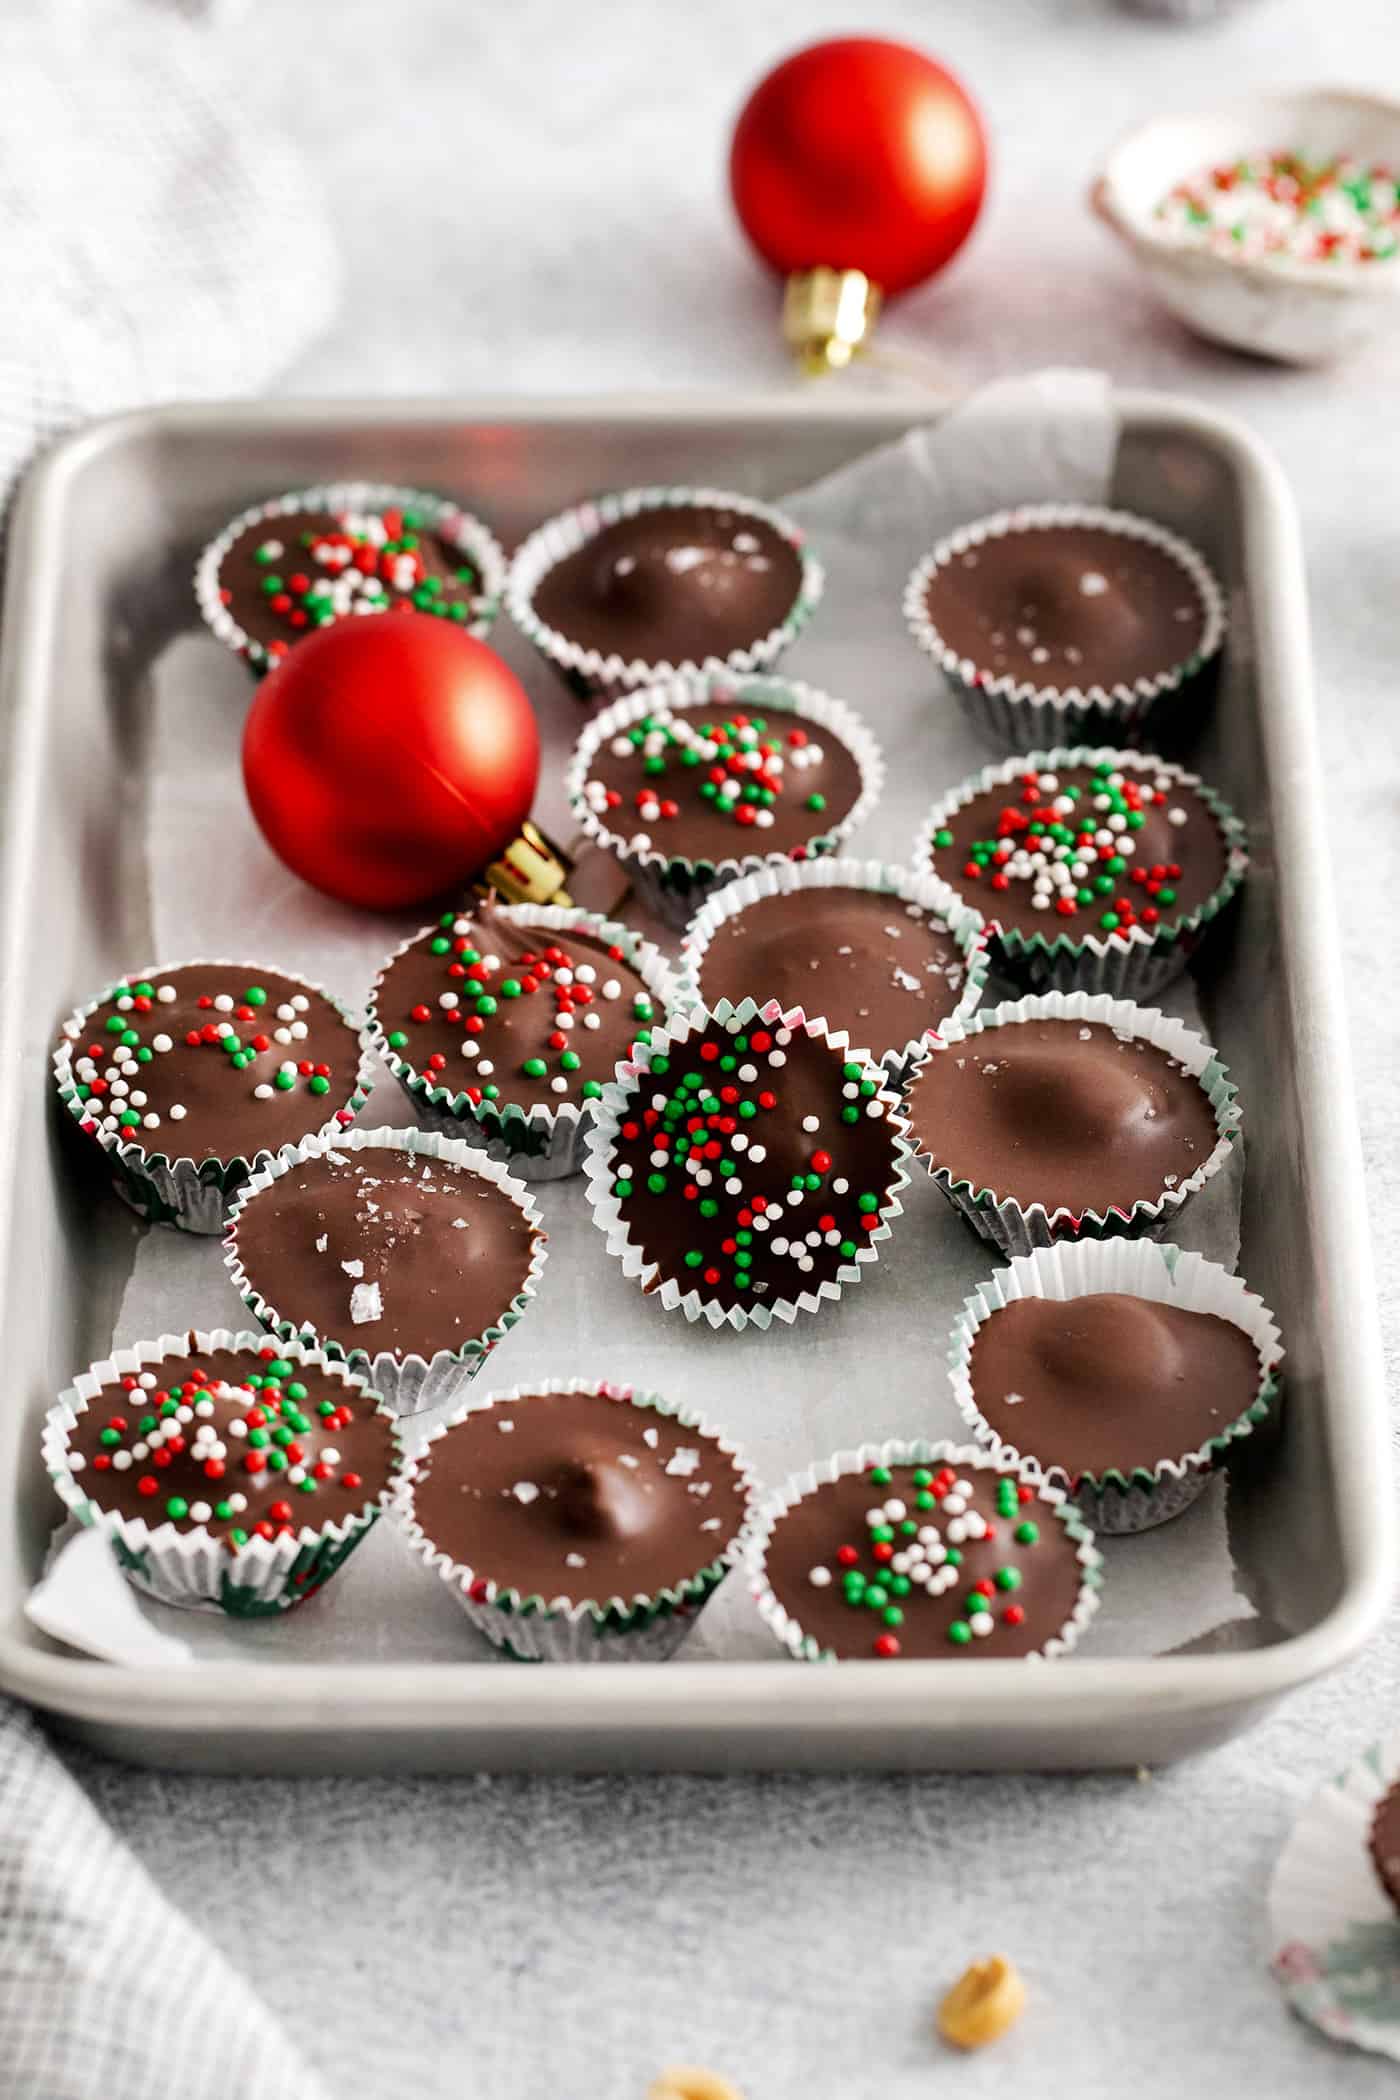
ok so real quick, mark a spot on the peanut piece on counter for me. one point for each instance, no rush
(986, 2000)
(689, 2082)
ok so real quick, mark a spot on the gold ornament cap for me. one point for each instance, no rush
(828, 315)
(532, 870)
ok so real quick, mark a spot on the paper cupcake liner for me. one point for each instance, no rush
(194, 1569)
(674, 885)
(612, 1629)
(447, 520)
(193, 1194)
(1115, 1502)
(909, 1452)
(538, 1143)
(780, 878)
(1334, 1932)
(607, 1213)
(1014, 712)
(1020, 1229)
(589, 674)
(407, 1384)
(1132, 964)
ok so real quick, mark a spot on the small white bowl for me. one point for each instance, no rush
(1277, 306)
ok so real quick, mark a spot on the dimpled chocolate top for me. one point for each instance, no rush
(210, 1061)
(1110, 1382)
(1385, 1843)
(284, 577)
(681, 583)
(877, 967)
(922, 1540)
(787, 1150)
(1084, 850)
(1067, 606)
(231, 1439)
(513, 1013)
(578, 1495)
(711, 784)
(1070, 1114)
(386, 1250)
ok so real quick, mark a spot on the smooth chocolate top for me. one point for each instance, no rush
(1084, 850)
(284, 577)
(1070, 1114)
(1067, 606)
(1384, 1843)
(230, 1439)
(578, 1495)
(1110, 1382)
(877, 967)
(154, 1063)
(680, 583)
(710, 784)
(510, 1013)
(386, 1250)
(921, 1541)
(788, 1151)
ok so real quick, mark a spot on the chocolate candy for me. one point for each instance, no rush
(1384, 1843)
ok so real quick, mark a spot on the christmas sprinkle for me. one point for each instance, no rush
(1273, 206)
(742, 764)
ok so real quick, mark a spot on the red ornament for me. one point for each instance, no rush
(387, 760)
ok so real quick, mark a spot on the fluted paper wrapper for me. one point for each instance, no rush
(194, 1569)
(193, 1194)
(881, 878)
(540, 1143)
(1334, 1932)
(447, 520)
(560, 1629)
(1116, 1502)
(965, 1458)
(410, 1383)
(674, 885)
(590, 674)
(617, 1103)
(1131, 963)
(1019, 1229)
(1013, 713)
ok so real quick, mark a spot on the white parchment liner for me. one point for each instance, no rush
(1133, 962)
(1019, 1229)
(544, 1142)
(781, 878)
(674, 884)
(195, 1569)
(638, 1628)
(409, 1383)
(589, 673)
(918, 1452)
(1116, 1502)
(446, 520)
(1014, 712)
(194, 1194)
(616, 1104)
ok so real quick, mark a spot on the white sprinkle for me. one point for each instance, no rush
(323, 1242)
(263, 1093)
(683, 1462)
(366, 1304)
(525, 1491)
(820, 1578)
(353, 1268)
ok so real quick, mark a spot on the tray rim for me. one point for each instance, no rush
(738, 1699)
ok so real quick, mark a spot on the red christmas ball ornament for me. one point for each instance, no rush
(858, 168)
(388, 759)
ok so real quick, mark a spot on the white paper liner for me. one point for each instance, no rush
(541, 1143)
(194, 1195)
(781, 878)
(1334, 1932)
(195, 1569)
(591, 674)
(1116, 1502)
(638, 1628)
(1134, 962)
(674, 884)
(1019, 1229)
(408, 1384)
(965, 1458)
(447, 521)
(607, 1212)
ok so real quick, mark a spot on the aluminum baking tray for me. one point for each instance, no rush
(98, 588)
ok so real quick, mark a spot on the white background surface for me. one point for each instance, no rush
(531, 198)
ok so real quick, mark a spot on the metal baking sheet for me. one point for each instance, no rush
(98, 597)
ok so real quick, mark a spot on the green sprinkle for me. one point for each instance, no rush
(1027, 1534)
(177, 1507)
(285, 1081)
(960, 1633)
(534, 1068)
(398, 1040)
(318, 1084)
(1008, 1578)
